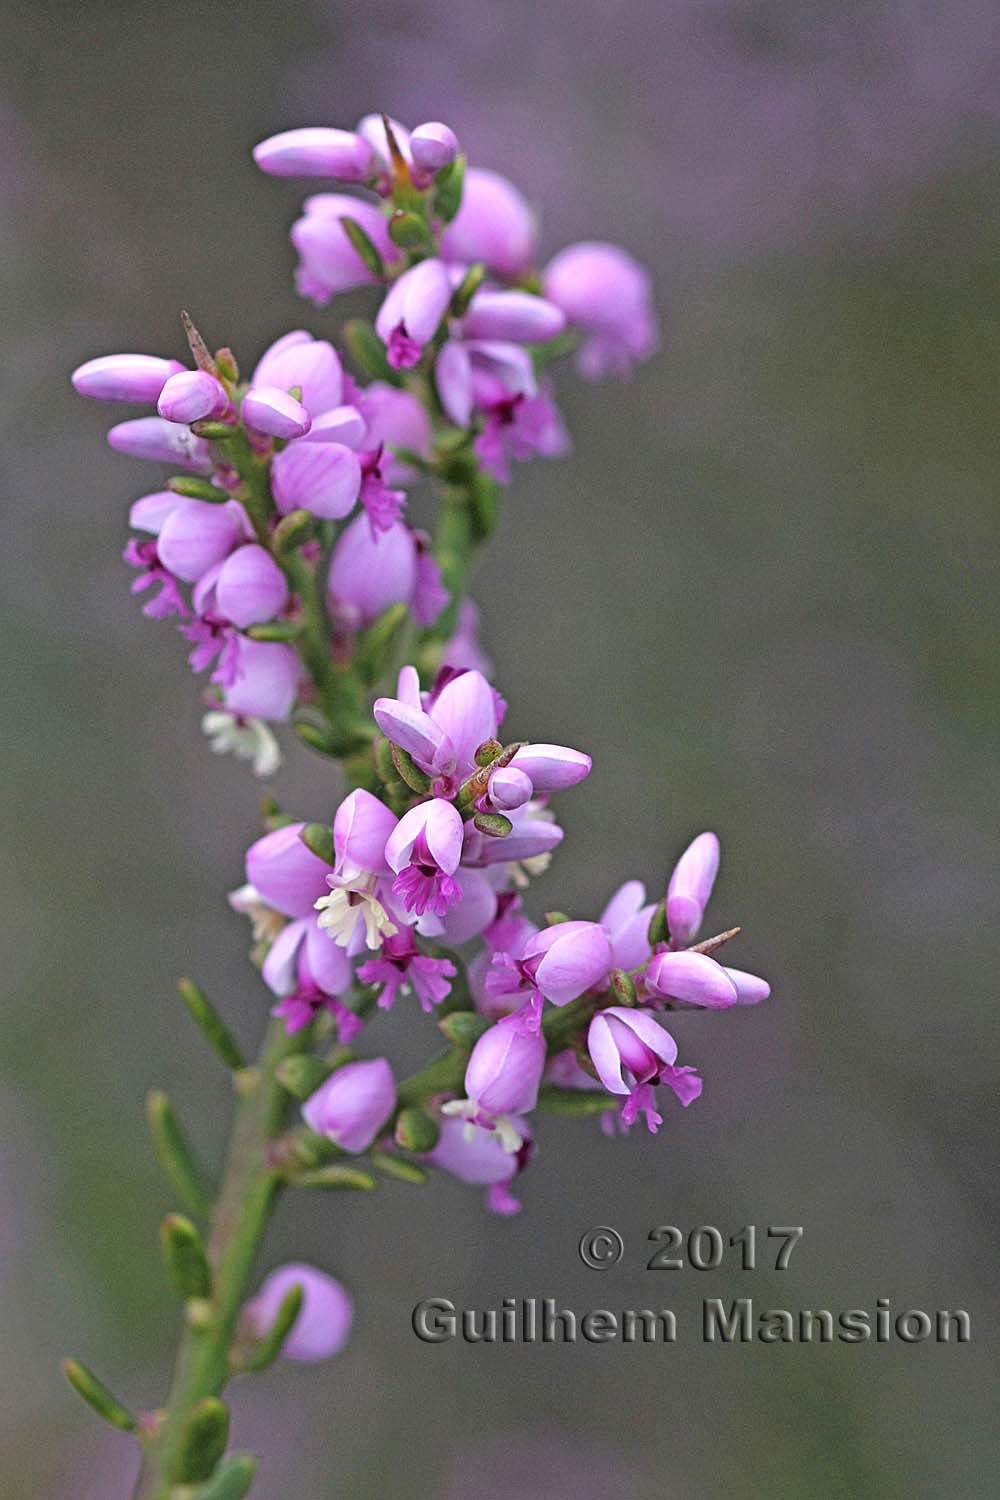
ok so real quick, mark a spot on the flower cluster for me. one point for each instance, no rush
(377, 906)
(283, 546)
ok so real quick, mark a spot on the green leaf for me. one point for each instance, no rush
(185, 1258)
(559, 1101)
(231, 1480)
(398, 1167)
(202, 1442)
(97, 1396)
(363, 247)
(318, 839)
(291, 530)
(213, 1027)
(175, 1155)
(302, 1075)
(464, 1027)
(197, 489)
(335, 1178)
(495, 825)
(271, 1345)
(657, 932)
(417, 780)
(448, 187)
(467, 288)
(368, 351)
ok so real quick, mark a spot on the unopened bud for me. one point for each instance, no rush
(407, 229)
(416, 1130)
(623, 988)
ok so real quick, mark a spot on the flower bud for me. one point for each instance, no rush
(568, 959)
(323, 1325)
(750, 988)
(691, 886)
(605, 293)
(316, 151)
(250, 587)
(361, 826)
(312, 365)
(505, 1069)
(626, 920)
(411, 313)
(494, 224)
(266, 680)
(322, 478)
(162, 442)
(329, 260)
(519, 316)
(552, 768)
(353, 1105)
(274, 412)
(368, 573)
(191, 396)
(433, 146)
(194, 536)
(693, 978)
(285, 874)
(509, 787)
(124, 377)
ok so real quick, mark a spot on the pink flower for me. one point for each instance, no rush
(632, 1052)
(323, 1325)
(412, 312)
(135, 378)
(693, 978)
(309, 973)
(286, 874)
(690, 888)
(559, 964)
(316, 151)
(494, 224)
(402, 968)
(353, 1104)
(606, 294)
(424, 849)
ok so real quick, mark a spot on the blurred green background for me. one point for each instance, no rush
(762, 593)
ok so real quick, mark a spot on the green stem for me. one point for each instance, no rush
(242, 1212)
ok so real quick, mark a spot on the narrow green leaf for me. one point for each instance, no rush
(398, 1167)
(363, 247)
(97, 1396)
(302, 1075)
(202, 1442)
(184, 1257)
(559, 1101)
(495, 825)
(658, 932)
(318, 839)
(292, 530)
(175, 1155)
(467, 288)
(417, 780)
(213, 431)
(231, 1480)
(276, 630)
(464, 1027)
(197, 489)
(448, 188)
(271, 1345)
(214, 1028)
(368, 351)
(336, 1177)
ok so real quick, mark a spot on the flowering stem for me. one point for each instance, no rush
(240, 1217)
